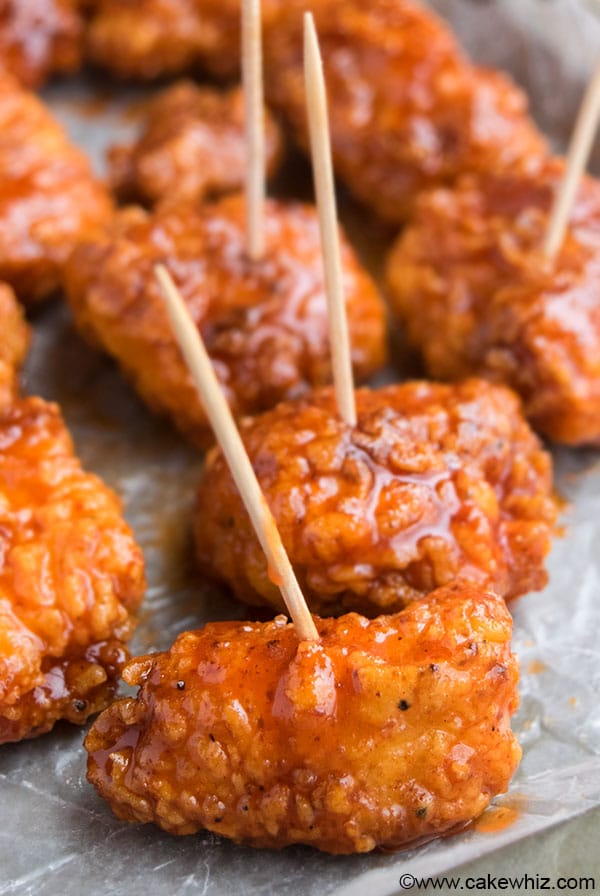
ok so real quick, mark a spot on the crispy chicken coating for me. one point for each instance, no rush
(13, 343)
(407, 109)
(40, 38)
(382, 733)
(476, 295)
(192, 146)
(264, 323)
(49, 198)
(71, 577)
(435, 483)
(147, 39)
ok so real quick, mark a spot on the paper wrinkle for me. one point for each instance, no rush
(57, 834)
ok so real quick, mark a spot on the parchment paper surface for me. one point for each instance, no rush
(56, 835)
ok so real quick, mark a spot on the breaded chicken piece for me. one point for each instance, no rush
(192, 146)
(49, 199)
(13, 343)
(265, 324)
(435, 483)
(71, 578)
(471, 286)
(382, 733)
(40, 38)
(407, 109)
(147, 39)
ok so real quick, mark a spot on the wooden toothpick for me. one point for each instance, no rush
(320, 142)
(228, 437)
(252, 77)
(577, 160)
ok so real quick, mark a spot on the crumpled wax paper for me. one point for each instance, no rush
(57, 835)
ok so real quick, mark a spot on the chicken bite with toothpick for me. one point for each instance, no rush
(434, 483)
(381, 733)
(264, 322)
(475, 295)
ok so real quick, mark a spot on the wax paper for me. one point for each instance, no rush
(56, 835)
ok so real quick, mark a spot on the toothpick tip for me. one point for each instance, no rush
(320, 142)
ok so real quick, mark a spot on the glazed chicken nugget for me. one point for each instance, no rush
(71, 578)
(471, 286)
(49, 198)
(265, 323)
(435, 483)
(192, 146)
(147, 39)
(407, 109)
(40, 38)
(381, 733)
(13, 343)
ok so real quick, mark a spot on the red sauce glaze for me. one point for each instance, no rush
(192, 146)
(49, 198)
(434, 483)
(71, 577)
(265, 323)
(408, 111)
(496, 819)
(382, 733)
(469, 282)
(13, 345)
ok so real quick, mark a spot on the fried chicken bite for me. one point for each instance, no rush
(382, 733)
(192, 146)
(71, 578)
(147, 39)
(435, 483)
(476, 295)
(13, 344)
(40, 38)
(49, 199)
(264, 323)
(407, 109)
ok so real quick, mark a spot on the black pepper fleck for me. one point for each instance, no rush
(180, 685)
(79, 705)
(421, 812)
(404, 705)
